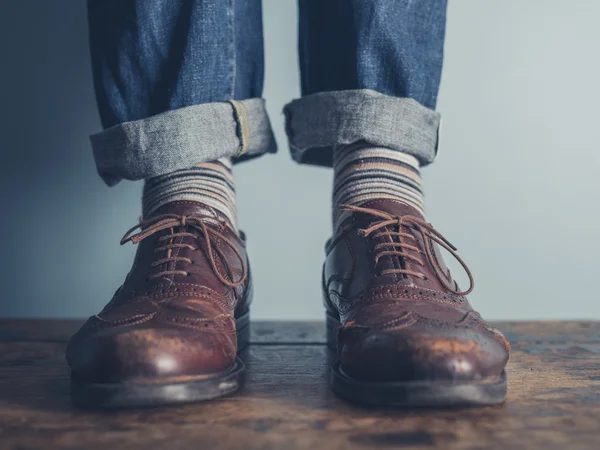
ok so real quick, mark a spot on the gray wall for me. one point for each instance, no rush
(515, 186)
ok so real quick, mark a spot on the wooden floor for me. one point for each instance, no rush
(553, 401)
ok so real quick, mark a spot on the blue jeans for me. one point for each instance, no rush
(180, 81)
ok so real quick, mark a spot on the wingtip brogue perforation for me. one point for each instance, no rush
(405, 333)
(172, 331)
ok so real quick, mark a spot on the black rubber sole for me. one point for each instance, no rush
(154, 393)
(413, 394)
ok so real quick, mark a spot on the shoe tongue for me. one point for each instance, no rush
(393, 207)
(186, 208)
(390, 206)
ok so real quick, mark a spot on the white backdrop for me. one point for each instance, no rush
(515, 186)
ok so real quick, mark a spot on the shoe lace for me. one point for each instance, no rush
(382, 228)
(175, 223)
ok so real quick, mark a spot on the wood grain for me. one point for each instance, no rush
(294, 332)
(553, 402)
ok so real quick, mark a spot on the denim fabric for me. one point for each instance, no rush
(182, 138)
(318, 123)
(154, 56)
(166, 72)
(392, 47)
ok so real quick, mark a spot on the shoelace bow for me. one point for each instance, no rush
(174, 221)
(399, 248)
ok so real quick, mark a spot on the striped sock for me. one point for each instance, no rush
(210, 183)
(363, 173)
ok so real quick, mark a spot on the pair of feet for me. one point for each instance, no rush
(403, 332)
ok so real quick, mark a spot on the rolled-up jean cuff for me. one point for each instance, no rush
(181, 138)
(317, 123)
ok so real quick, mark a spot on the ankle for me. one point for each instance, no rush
(210, 183)
(364, 172)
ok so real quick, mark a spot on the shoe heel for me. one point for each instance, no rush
(242, 325)
(333, 324)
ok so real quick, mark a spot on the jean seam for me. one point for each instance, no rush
(233, 49)
(242, 127)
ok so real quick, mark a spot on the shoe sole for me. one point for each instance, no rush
(413, 394)
(168, 391)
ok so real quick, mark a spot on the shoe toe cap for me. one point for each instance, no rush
(151, 351)
(422, 356)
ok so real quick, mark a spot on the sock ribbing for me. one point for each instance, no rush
(363, 173)
(210, 183)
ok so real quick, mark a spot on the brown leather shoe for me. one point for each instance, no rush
(404, 333)
(172, 331)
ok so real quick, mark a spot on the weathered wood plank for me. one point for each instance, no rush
(295, 332)
(553, 403)
(50, 330)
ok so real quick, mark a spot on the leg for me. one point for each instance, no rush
(403, 330)
(379, 47)
(178, 84)
(190, 72)
(394, 48)
(154, 56)
(391, 48)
